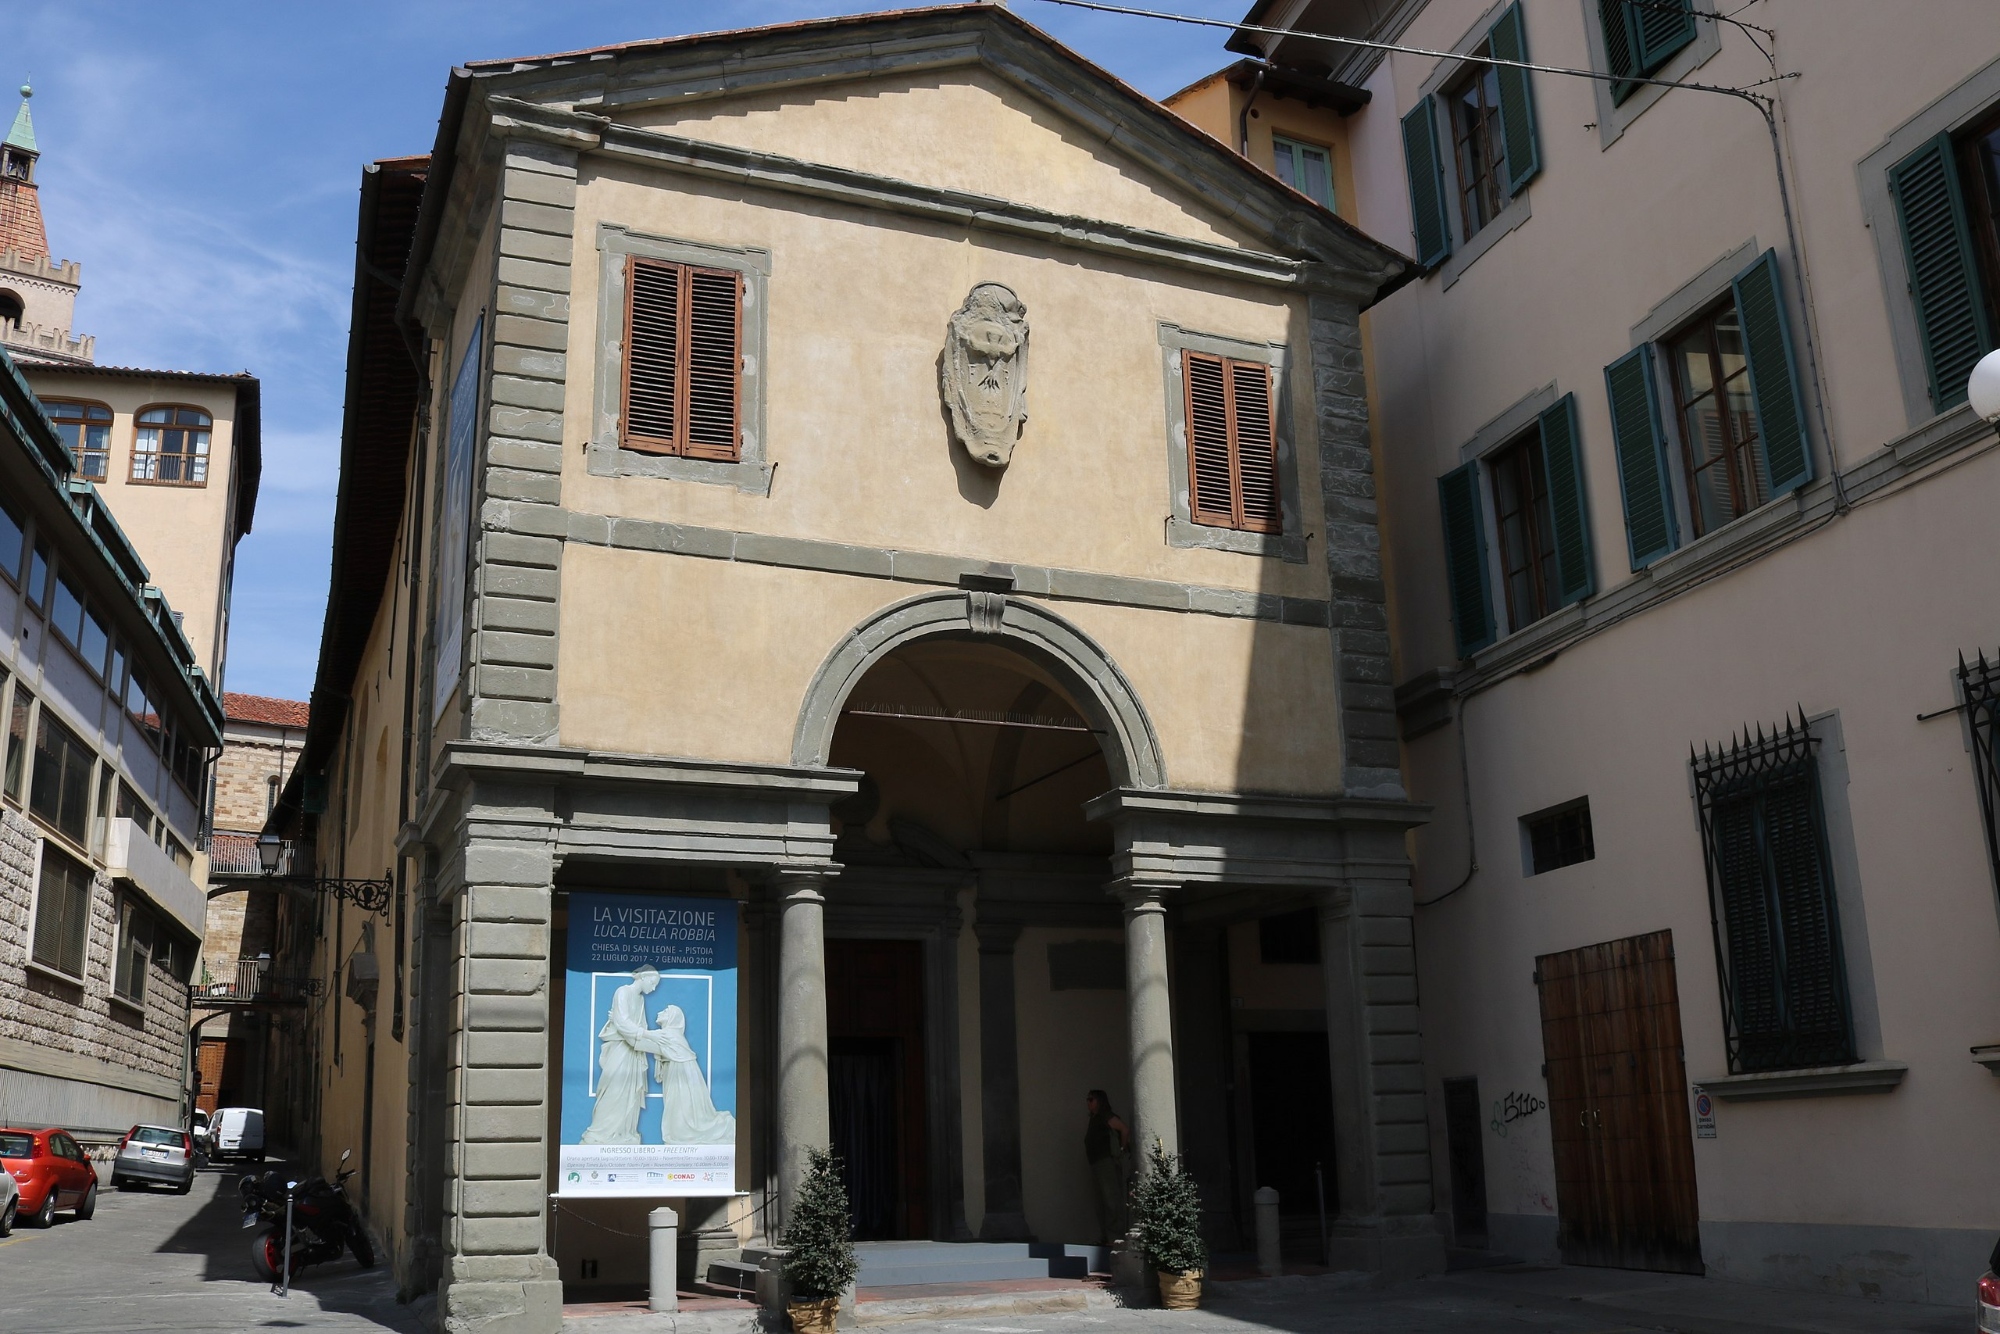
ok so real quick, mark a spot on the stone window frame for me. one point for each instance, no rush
(1466, 250)
(1972, 98)
(750, 473)
(1613, 119)
(1182, 531)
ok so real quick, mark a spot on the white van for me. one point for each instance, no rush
(236, 1132)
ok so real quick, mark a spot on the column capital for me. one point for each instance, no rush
(997, 937)
(1142, 894)
(804, 884)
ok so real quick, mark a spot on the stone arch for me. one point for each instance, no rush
(1131, 750)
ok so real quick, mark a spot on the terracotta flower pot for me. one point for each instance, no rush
(1180, 1292)
(814, 1317)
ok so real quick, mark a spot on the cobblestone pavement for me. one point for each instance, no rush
(154, 1261)
(151, 1260)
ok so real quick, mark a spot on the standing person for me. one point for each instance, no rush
(1107, 1165)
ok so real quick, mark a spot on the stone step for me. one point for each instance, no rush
(733, 1275)
(908, 1263)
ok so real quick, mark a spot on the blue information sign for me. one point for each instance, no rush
(649, 1047)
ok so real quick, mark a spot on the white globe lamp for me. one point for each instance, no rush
(1984, 387)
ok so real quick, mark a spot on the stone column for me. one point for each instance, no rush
(1151, 1013)
(803, 1118)
(498, 1272)
(1000, 1084)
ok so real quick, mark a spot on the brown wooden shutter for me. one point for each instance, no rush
(1232, 443)
(714, 362)
(683, 360)
(1254, 434)
(1211, 491)
(652, 356)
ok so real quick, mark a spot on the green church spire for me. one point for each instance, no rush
(23, 134)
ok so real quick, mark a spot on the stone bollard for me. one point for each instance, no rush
(664, 1235)
(1269, 1261)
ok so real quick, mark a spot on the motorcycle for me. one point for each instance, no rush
(323, 1222)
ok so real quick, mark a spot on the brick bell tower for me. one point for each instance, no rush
(37, 293)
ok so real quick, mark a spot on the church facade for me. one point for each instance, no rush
(894, 487)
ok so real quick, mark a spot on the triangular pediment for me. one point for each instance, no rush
(968, 100)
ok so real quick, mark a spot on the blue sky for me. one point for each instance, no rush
(201, 160)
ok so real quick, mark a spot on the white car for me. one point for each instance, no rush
(10, 1202)
(236, 1132)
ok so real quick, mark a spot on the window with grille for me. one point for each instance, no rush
(62, 912)
(86, 429)
(1979, 680)
(1772, 902)
(683, 360)
(1559, 836)
(170, 445)
(1232, 443)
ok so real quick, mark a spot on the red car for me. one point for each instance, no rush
(51, 1171)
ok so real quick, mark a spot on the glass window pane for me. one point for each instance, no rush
(17, 742)
(1318, 176)
(11, 539)
(1284, 163)
(67, 614)
(95, 642)
(38, 575)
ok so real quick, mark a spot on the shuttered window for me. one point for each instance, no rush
(1232, 443)
(62, 912)
(1487, 142)
(1776, 916)
(1461, 509)
(1650, 531)
(1642, 35)
(683, 360)
(1541, 539)
(1940, 242)
(1736, 409)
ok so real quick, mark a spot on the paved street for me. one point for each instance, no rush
(152, 1260)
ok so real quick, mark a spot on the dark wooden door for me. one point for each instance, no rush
(1618, 1110)
(876, 1083)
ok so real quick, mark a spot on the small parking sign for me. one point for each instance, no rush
(1704, 1114)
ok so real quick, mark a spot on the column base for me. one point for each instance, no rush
(1129, 1273)
(1009, 1226)
(469, 1302)
(706, 1236)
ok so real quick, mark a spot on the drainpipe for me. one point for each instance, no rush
(1243, 117)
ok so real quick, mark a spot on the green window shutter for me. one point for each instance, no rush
(1620, 45)
(1562, 459)
(1517, 101)
(1465, 558)
(1660, 28)
(1944, 282)
(1427, 193)
(1774, 375)
(1642, 457)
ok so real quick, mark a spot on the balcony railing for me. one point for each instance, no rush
(254, 984)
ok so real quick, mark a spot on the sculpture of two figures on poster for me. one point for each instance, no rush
(687, 1110)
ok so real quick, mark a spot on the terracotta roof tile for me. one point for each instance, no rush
(264, 709)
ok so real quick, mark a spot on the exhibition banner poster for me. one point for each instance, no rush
(649, 1047)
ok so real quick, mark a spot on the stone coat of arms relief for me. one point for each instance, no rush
(984, 373)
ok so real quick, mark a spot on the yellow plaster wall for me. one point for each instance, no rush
(959, 129)
(183, 533)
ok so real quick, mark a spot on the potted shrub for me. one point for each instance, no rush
(819, 1258)
(1167, 1208)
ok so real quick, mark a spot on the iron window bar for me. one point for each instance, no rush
(1772, 907)
(1979, 683)
(976, 717)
